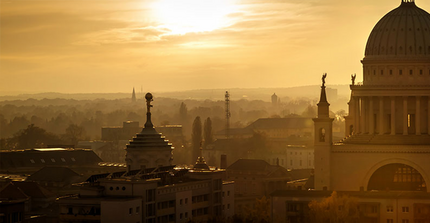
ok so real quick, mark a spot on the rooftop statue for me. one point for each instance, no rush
(323, 79)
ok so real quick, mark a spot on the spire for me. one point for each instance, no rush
(323, 105)
(148, 123)
(133, 96)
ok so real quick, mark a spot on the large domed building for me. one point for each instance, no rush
(384, 160)
(387, 146)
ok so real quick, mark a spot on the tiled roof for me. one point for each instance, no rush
(30, 189)
(53, 174)
(282, 123)
(37, 159)
(250, 165)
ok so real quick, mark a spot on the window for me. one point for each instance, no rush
(390, 209)
(405, 209)
(390, 221)
(137, 210)
(186, 214)
(228, 193)
(400, 72)
(181, 215)
(410, 72)
(130, 211)
(421, 72)
(405, 221)
(32, 161)
(180, 202)
(186, 202)
(391, 72)
(228, 206)
(374, 209)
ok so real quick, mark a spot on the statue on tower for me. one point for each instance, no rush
(353, 78)
(323, 79)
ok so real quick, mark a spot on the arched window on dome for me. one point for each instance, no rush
(411, 72)
(391, 72)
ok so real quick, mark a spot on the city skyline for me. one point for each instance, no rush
(163, 45)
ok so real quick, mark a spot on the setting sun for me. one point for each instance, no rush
(186, 16)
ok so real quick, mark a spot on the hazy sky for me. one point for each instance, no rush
(164, 45)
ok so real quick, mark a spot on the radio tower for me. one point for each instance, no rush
(227, 115)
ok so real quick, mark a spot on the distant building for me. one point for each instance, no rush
(274, 100)
(277, 129)
(162, 194)
(133, 96)
(27, 202)
(254, 179)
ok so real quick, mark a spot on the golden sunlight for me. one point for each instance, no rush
(186, 16)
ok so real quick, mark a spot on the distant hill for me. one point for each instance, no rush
(264, 94)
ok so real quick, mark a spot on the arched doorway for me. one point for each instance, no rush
(397, 177)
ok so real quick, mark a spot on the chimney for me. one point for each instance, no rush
(223, 162)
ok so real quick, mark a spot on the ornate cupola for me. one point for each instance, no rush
(201, 162)
(148, 148)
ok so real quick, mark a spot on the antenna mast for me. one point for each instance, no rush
(227, 115)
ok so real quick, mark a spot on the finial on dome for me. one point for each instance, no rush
(148, 98)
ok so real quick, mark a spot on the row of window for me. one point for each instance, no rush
(391, 50)
(404, 209)
(52, 160)
(171, 190)
(411, 72)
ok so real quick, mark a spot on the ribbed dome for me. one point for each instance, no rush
(403, 32)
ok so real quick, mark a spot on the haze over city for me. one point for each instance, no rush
(166, 45)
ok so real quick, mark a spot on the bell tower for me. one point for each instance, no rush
(322, 141)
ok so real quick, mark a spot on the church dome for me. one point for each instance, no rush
(403, 32)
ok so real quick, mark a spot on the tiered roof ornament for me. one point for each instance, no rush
(201, 162)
